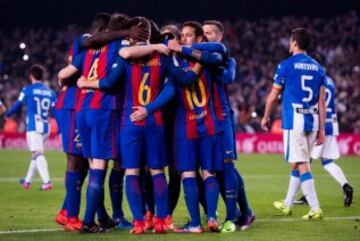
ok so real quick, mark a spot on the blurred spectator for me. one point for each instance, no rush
(258, 47)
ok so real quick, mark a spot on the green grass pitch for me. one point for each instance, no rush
(266, 178)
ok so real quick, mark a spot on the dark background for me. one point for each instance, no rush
(56, 13)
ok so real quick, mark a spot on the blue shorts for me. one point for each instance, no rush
(227, 140)
(99, 133)
(143, 145)
(201, 152)
(69, 133)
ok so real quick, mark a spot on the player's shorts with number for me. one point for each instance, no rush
(143, 142)
(69, 133)
(36, 141)
(99, 133)
(300, 146)
(190, 154)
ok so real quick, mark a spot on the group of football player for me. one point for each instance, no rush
(149, 98)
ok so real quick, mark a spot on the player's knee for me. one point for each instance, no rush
(132, 172)
(206, 174)
(325, 162)
(188, 174)
(99, 164)
(73, 162)
(156, 171)
(303, 167)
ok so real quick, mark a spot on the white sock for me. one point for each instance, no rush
(294, 185)
(335, 171)
(42, 167)
(31, 171)
(308, 189)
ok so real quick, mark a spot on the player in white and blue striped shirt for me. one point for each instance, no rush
(300, 80)
(330, 150)
(38, 99)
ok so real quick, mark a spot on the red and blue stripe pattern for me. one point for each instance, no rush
(96, 65)
(196, 115)
(143, 82)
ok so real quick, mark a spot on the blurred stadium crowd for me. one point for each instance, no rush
(258, 46)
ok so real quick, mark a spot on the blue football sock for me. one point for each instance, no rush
(116, 181)
(73, 193)
(133, 194)
(242, 200)
(231, 191)
(101, 212)
(94, 194)
(161, 195)
(212, 196)
(191, 193)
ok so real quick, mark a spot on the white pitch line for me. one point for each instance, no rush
(265, 220)
(61, 179)
(31, 231)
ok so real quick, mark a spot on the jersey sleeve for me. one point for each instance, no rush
(78, 61)
(207, 57)
(166, 94)
(211, 47)
(18, 103)
(116, 72)
(279, 78)
(181, 76)
(227, 74)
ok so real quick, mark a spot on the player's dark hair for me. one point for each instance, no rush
(319, 58)
(100, 21)
(171, 29)
(216, 23)
(156, 36)
(118, 21)
(142, 22)
(302, 37)
(37, 71)
(196, 26)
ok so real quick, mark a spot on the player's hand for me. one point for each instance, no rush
(320, 138)
(139, 114)
(265, 122)
(81, 83)
(162, 49)
(138, 32)
(174, 45)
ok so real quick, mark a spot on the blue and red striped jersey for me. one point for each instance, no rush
(196, 115)
(144, 78)
(70, 92)
(95, 65)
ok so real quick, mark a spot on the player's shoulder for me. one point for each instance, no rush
(329, 81)
(284, 64)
